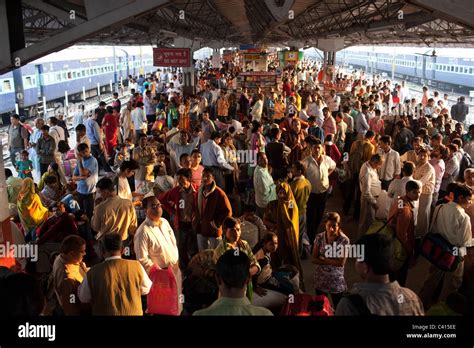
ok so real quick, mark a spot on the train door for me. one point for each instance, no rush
(432, 71)
(416, 66)
(39, 80)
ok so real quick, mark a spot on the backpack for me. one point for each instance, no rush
(466, 162)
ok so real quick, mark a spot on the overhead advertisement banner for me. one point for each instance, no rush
(172, 57)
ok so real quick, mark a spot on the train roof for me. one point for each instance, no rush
(85, 52)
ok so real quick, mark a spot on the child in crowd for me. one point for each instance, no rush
(24, 166)
(268, 279)
(49, 194)
(70, 198)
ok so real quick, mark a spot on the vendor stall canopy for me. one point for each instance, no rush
(34, 28)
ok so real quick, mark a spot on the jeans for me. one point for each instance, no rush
(187, 243)
(99, 155)
(315, 212)
(44, 167)
(86, 202)
(302, 232)
(401, 274)
(352, 188)
(137, 135)
(205, 243)
(367, 216)
(13, 152)
(385, 184)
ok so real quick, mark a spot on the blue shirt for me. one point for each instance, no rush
(317, 132)
(92, 131)
(87, 186)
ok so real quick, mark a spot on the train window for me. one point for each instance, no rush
(33, 81)
(471, 71)
(69, 75)
(95, 71)
(83, 73)
(28, 81)
(7, 85)
(58, 77)
(45, 78)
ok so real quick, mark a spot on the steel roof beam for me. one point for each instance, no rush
(54, 11)
(459, 11)
(111, 18)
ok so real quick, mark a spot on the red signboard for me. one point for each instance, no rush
(172, 57)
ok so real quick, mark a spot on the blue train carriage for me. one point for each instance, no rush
(7, 92)
(443, 71)
(71, 70)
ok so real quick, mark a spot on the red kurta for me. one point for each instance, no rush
(110, 125)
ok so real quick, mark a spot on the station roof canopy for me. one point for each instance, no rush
(39, 27)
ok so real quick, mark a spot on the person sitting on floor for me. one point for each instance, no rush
(58, 226)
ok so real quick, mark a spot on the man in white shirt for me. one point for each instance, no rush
(265, 190)
(139, 121)
(257, 108)
(215, 93)
(79, 117)
(57, 133)
(81, 137)
(370, 187)
(391, 162)
(155, 242)
(333, 101)
(361, 124)
(213, 157)
(453, 224)
(425, 173)
(404, 93)
(318, 168)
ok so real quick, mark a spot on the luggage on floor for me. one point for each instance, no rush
(307, 305)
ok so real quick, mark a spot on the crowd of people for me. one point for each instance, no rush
(207, 204)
